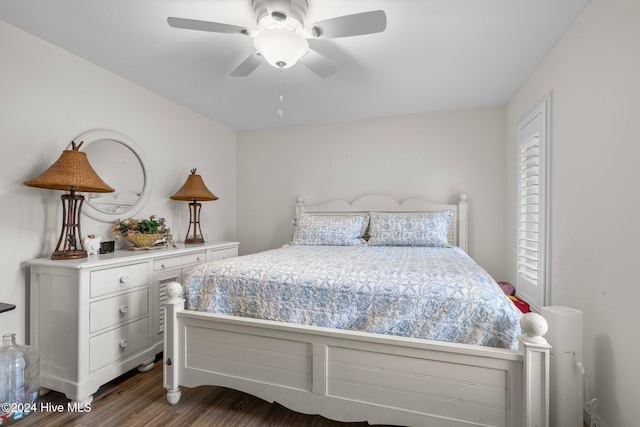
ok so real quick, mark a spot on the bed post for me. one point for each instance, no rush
(171, 365)
(462, 222)
(299, 206)
(536, 370)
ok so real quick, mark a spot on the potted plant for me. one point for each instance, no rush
(143, 233)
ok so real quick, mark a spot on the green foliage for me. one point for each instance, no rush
(130, 227)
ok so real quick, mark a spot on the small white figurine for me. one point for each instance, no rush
(92, 244)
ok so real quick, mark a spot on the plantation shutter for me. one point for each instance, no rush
(528, 219)
(532, 225)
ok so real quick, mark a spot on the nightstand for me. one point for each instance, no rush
(95, 318)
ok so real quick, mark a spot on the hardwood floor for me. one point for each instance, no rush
(138, 399)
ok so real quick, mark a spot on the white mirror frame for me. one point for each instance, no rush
(106, 134)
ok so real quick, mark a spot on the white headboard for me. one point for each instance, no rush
(378, 203)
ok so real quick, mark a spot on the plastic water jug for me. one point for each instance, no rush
(19, 379)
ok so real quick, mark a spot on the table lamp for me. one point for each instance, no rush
(193, 191)
(71, 172)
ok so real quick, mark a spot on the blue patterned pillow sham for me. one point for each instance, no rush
(410, 229)
(330, 230)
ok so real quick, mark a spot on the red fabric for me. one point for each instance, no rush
(511, 292)
(523, 306)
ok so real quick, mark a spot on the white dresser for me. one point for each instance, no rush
(95, 318)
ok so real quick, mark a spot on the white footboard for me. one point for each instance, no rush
(352, 376)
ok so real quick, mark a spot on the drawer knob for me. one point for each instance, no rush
(163, 265)
(124, 279)
(199, 258)
(123, 343)
(124, 309)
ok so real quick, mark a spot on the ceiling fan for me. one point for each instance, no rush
(281, 36)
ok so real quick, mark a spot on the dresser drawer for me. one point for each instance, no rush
(118, 343)
(179, 261)
(215, 255)
(111, 311)
(104, 282)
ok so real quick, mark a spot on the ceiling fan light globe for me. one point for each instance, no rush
(281, 48)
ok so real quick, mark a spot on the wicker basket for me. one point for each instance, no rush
(144, 240)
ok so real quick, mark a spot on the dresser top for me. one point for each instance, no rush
(125, 255)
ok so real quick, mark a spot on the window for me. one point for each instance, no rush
(533, 194)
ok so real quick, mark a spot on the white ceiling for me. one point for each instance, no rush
(434, 55)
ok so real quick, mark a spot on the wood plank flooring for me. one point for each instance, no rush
(138, 399)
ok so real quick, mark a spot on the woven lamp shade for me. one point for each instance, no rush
(71, 171)
(194, 190)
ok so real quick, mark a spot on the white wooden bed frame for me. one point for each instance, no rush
(355, 376)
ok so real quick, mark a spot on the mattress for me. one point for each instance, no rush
(435, 293)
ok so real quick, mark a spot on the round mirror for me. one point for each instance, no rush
(120, 163)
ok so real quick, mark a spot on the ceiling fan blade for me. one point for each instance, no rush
(352, 25)
(214, 27)
(248, 65)
(318, 64)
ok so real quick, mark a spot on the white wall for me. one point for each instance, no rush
(47, 98)
(432, 155)
(594, 73)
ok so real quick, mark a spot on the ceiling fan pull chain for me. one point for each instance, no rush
(281, 86)
(280, 114)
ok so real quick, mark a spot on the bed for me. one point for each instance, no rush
(414, 359)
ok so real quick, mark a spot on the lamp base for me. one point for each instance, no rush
(70, 241)
(194, 221)
(194, 241)
(58, 255)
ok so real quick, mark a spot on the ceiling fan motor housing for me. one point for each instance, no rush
(266, 8)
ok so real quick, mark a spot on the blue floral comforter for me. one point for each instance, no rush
(421, 292)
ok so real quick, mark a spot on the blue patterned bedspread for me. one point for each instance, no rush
(422, 292)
